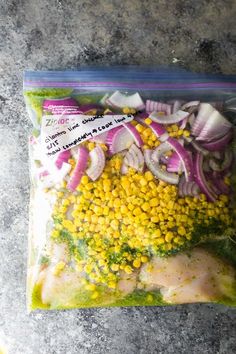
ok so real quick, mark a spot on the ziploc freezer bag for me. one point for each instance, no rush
(132, 188)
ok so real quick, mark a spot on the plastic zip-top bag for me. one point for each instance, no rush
(132, 188)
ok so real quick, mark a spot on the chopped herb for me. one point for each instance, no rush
(44, 260)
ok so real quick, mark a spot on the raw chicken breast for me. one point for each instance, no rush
(196, 276)
(55, 287)
(127, 283)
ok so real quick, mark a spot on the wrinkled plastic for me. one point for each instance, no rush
(113, 220)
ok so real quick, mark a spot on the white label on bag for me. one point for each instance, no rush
(60, 133)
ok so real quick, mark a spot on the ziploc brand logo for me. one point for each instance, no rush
(60, 133)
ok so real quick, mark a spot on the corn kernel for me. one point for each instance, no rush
(147, 132)
(159, 241)
(90, 287)
(145, 206)
(169, 236)
(112, 284)
(224, 198)
(95, 295)
(149, 176)
(130, 206)
(114, 224)
(115, 267)
(89, 186)
(143, 182)
(55, 233)
(157, 233)
(174, 127)
(186, 133)
(98, 210)
(126, 110)
(58, 268)
(155, 219)
(128, 269)
(148, 121)
(149, 298)
(117, 203)
(140, 128)
(137, 263)
(91, 146)
(137, 211)
(181, 231)
(124, 209)
(154, 202)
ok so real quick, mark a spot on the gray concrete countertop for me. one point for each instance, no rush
(59, 34)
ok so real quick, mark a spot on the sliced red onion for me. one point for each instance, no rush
(174, 163)
(217, 155)
(215, 127)
(205, 111)
(124, 169)
(79, 169)
(101, 138)
(190, 104)
(104, 99)
(140, 121)
(199, 147)
(158, 107)
(135, 134)
(155, 167)
(42, 173)
(140, 117)
(209, 123)
(46, 182)
(205, 166)
(176, 106)
(97, 163)
(74, 152)
(119, 139)
(200, 178)
(32, 140)
(119, 100)
(188, 188)
(133, 158)
(164, 159)
(188, 139)
(159, 131)
(51, 179)
(184, 157)
(214, 165)
(184, 123)
(169, 119)
(63, 172)
(225, 165)
(181, 183)
(222, 187)
(139, 155)
(219, 105)
(219, 144)
(228, 159)
(181, 141)
(62, 157)
(191, 119)
(195, 189)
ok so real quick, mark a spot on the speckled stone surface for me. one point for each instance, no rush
(49, 34)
